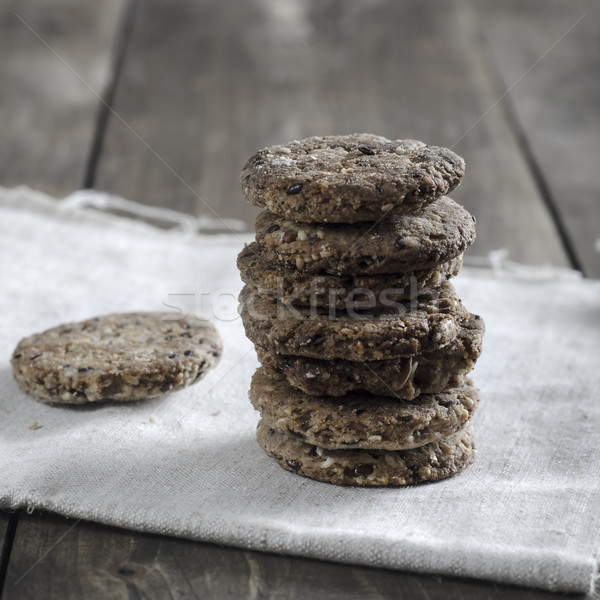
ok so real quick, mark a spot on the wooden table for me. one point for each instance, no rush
(161, 102)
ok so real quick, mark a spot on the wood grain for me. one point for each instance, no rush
(47, 114)
(556, 105)
(95, 562)
(5, 545)
(208, 84)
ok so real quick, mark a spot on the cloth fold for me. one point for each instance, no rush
(526, 513)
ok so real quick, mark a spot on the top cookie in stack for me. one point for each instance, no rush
(349, 178)
(364, 344)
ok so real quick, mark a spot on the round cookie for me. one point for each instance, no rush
(426, 323)
(362, 420)
(349, 178)
(370, 467)
(404, 377)
(291, 286)
(123, 357)
(421, 240)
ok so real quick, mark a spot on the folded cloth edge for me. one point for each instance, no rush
(560, 572)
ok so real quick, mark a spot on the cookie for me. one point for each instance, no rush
(425, 239)
(410, 327)
(349, 178)
(362, 420)
(370, 467)
(293, 287)
(126, 356)
(404, 377)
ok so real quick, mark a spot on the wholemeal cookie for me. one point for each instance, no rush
(404, 377)
(291, 286)
(432, 462)
(126, 356)
(421, 240)
(362, 420)
(349, 178)
(426, 323)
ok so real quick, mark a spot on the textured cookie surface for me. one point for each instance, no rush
(370, 467)
(404, 377)
(125, 356)
(411, 327)
(362, 420)
(291, 286)
(350, 178)
(424, 239)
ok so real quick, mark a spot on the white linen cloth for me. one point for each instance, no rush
(527, 512)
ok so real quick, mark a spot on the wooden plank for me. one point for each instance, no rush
(5, 544)
(556, 105)
(52, 559)
(48, 115)
(206, 85)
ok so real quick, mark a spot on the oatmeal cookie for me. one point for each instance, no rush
(123, 357)
(349, 178)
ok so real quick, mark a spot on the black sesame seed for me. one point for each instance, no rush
(168, 338)
(272, 228)
(188, 353)
(379, 188)
(85, 369)
(34, 356)
(415, 473)
(293, 464)
(448, 159)
(474, 219)
(366, 150)
(17, 355)
(400, 243)
(172, 355)
(364, 470)
(294, 189)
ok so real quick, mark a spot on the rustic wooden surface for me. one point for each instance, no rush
(100, 562)
(554, 109)
(48, 114)
(192, 88)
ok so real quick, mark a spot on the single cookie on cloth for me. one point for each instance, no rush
(404, 377)
(431, 462)
(122, 357)
(349, 178)
(291, 286)
(362, 420)
(425, 239)
(424, 324)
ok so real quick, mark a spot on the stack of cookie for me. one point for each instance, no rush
(364, 345)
